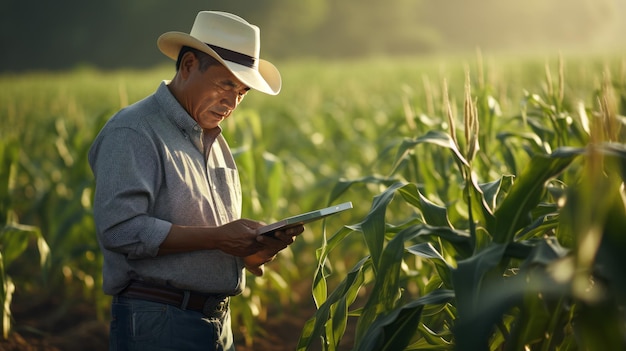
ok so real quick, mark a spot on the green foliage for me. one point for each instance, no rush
(491, 221)
(14, 237)
(499, 277)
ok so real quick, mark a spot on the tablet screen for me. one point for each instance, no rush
(303, 218)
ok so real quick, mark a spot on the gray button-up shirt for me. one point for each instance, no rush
(154, 167)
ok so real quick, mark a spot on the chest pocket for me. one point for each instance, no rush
(228, 191)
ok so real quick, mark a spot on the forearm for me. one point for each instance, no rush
(237, 238)
(185, 239)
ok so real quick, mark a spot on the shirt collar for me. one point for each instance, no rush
(179, 116)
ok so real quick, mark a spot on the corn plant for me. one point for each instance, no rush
(47, 182)
(14, 236)
(527, 260)
(406, 149)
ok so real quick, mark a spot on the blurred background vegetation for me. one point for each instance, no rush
(120, 33)
(376, 95)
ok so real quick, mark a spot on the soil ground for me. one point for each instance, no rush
(76, 328)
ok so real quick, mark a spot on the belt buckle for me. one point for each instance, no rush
(215, 306)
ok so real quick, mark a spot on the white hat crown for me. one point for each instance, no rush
(227, 31)
(232, 41)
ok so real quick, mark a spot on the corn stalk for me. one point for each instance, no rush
(513, 265)
(14, 237)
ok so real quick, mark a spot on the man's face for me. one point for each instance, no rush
(212, 95)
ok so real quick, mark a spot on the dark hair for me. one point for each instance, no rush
(205, 59)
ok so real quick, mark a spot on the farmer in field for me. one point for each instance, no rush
(168, 199)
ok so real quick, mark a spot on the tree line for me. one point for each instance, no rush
(122, 33)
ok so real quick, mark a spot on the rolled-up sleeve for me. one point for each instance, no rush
(126, 168)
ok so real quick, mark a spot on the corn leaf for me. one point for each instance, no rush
(428, 251)
(349, 286)
(386, 289)
(495, 190)
(343, 185)
(433, 137)
(483, 299)
(432, 213)
(513, 212)
(395, 329)
(458, 239)
(373, 226)
(319, 279)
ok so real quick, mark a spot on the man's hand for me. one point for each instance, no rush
(271, 246)
(237, 238)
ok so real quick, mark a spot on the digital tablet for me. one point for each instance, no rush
(303, 218)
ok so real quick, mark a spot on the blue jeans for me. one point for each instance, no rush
(145, 325)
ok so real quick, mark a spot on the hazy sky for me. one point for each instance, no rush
(546, 24)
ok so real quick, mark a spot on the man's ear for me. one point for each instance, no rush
(187, 64)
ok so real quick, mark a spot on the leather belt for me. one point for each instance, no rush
(211, 305)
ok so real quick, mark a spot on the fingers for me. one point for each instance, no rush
(288, 235)
(256, 270)
(241, 248)
(248, 224)
(271, 246)
(295, 230)
(239, 238)
(254, 263)
(242, 239)
(279, 241)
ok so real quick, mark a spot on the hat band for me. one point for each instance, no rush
(234, 56)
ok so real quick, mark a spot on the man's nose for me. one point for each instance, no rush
(230, 100)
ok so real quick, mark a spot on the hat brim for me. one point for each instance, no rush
(266, 80)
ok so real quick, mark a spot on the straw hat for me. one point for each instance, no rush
(232, 41)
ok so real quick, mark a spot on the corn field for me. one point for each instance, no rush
(490, 208)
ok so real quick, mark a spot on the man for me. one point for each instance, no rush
(168, 200)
